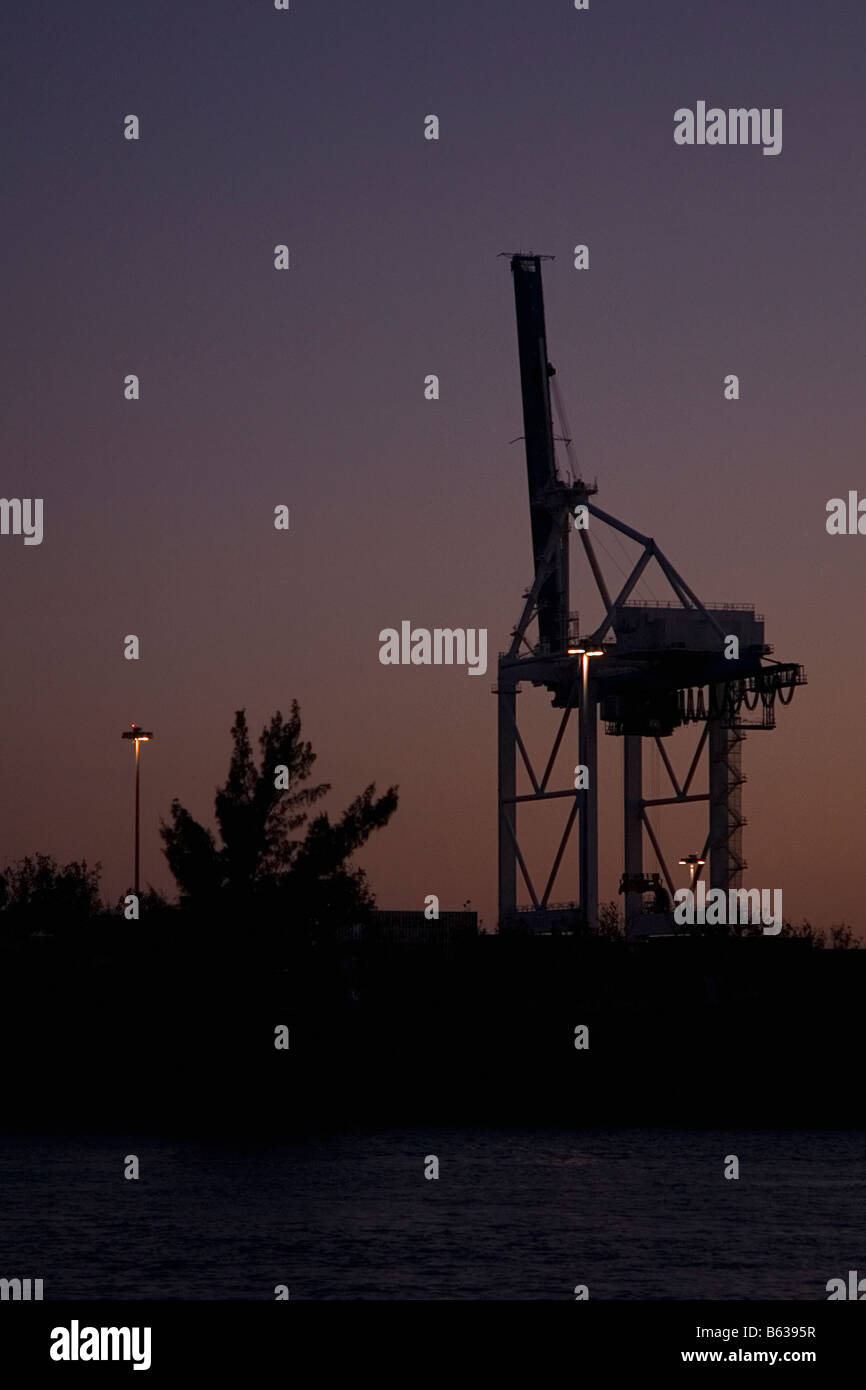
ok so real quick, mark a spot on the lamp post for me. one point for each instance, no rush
(587, 737)
(138, 736)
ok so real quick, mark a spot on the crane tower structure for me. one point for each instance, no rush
(646, 669)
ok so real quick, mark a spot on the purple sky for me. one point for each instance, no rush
(306, 388)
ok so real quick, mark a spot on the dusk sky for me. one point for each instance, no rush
(306, 388)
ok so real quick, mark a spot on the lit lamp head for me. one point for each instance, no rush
(694, 863)
(137, 734)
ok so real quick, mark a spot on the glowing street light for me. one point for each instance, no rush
(587, 742)
(695, 864)
(586, 728)
(138, 736)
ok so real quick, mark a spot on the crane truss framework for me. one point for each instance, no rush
(655, 661)
(658, 660)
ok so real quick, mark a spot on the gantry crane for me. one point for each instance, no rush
(649, 668)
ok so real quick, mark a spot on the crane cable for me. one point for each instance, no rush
(574, 469)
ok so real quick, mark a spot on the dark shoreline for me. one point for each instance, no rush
(697, 1032)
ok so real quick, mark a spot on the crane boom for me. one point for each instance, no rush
(544, 504)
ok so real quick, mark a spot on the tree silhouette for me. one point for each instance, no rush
(39, 895)
(258, 861)
(325, 891)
